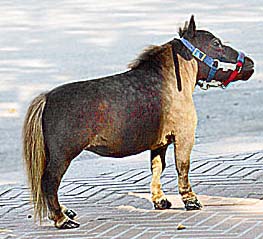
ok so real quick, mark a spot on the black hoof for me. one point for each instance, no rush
(163, 204)
(70, 224)
(70, 213)
(193, 204)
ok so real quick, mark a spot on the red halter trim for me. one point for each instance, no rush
(234, 74)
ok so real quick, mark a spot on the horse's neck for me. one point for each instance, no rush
(187, 69)
(188, 72)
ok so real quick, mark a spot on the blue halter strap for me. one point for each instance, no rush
(210, 62)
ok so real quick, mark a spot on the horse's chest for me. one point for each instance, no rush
(179, 117)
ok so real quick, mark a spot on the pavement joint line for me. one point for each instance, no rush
(136, 181)
(5, 192)
(235, 226)
(239, 170)
(210, 168)
(157, 235)
(189, 218)
(223, 170)
(251, 155)
(129, 229)
(227, 155)
(100, 225)
(199, 166)
(139, 173)
(259, 236)
(207, 218)
(122, 174)
(140, 234)
(252, 171)
(221, 222)
(79, 186)
(108, 230)
(94, 194)
(249, 229)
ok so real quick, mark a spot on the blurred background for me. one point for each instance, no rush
(44, 44)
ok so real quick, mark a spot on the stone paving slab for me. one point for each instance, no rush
(117, 204)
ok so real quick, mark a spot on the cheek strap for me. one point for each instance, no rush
(215, 65)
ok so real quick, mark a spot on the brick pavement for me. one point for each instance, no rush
(116, 204)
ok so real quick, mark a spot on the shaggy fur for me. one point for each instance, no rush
(34, 154)
(147, 55)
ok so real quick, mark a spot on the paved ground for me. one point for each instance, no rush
(115, 203)
(44, 44)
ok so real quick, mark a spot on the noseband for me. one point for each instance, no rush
(215, 65)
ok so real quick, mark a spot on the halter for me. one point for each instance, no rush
(215, 65)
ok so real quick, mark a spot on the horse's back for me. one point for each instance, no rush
(113, 116)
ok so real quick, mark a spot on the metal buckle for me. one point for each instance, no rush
(199, 54)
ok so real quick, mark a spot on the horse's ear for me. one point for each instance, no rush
(184, 30)
(181, 32)
(191, 28)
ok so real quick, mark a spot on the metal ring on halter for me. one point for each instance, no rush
(216, 65)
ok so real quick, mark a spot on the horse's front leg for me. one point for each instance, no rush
(183, 146)
(157, 167)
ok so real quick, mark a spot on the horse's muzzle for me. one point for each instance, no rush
(247, 70)
(248, 64)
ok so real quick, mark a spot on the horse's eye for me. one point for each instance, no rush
(216, 43)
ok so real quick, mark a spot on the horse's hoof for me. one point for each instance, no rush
(193, 204)
(163, 204)
(70, 213)
(69, 224)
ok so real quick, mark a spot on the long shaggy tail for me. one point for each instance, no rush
(34, 154)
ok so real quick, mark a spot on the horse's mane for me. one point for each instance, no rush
(151, 51)
(146, 55)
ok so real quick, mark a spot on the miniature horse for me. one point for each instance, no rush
(145, 108)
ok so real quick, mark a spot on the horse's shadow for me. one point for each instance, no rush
(143, 202)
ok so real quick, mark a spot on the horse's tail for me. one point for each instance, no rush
(34, 154)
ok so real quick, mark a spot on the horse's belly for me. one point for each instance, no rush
(116, 152)
(120, 142)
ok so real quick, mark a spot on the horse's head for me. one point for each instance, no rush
(218, 64)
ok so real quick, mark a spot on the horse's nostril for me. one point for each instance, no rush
(249, 67)
(249, 61)
(248, 64)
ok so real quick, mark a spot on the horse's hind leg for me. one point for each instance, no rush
(68, 212)
(157, 167)
(56, 168)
